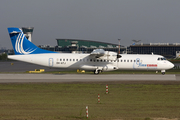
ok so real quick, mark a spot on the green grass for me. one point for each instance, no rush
(68, 101)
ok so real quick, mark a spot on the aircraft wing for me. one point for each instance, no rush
(97, 53)
(101, 54)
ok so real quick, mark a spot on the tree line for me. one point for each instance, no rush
(3, 56)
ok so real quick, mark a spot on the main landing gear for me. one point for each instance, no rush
(97, 71)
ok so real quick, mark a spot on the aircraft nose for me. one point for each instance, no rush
(171, 65)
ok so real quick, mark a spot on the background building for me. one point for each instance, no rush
(166, 49)
(28, 32)
(85, 46)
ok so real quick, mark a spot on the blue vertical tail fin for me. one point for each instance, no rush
(21, 45)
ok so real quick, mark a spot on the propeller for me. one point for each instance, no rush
(118, 56)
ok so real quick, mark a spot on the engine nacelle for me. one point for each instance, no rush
(109, 55)
(109, 68)
(90, 67)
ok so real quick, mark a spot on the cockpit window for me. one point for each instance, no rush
(164, 58)
(161, 59)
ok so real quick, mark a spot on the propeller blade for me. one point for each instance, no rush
(119, 56)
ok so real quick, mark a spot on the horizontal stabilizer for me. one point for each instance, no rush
(14, 30)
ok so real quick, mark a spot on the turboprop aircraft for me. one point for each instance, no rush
(98, 60)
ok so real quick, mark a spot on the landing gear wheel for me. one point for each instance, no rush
(163, 73)
(96, 72)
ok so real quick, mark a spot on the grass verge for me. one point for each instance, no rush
(68, 101)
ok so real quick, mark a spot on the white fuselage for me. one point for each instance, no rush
(86, 62)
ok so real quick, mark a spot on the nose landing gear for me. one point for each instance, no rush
(163, 72)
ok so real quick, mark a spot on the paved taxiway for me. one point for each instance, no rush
(61, 78)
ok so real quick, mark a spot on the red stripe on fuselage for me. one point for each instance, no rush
(151, 65)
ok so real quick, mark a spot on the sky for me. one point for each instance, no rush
(151, 21)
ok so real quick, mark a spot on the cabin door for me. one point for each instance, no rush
(50, 62)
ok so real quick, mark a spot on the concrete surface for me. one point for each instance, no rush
(48, 78)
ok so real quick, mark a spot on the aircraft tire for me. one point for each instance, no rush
(163, 73)
(96, 72)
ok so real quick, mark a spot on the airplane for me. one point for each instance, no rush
(97, 61)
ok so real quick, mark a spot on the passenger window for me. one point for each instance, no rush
(104, 60)
(131, 60)
(94, 60)
(121, 60)
(76, 59)
(63, 59)
(60, 59)
(66, 59)
(97, 60)
(101, 60)
(91, 60)
(73, 59)
(134, 60)
(69, 59)
(127, 60)
(124, 60)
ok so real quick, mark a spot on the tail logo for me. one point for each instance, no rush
(19, 45)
